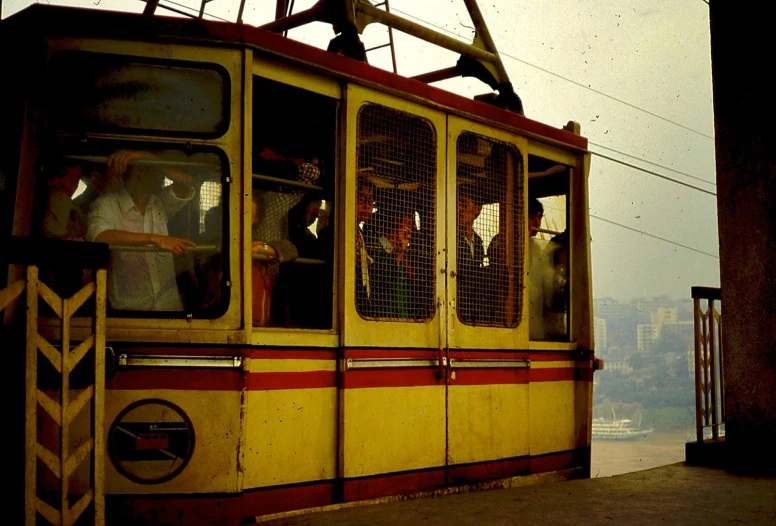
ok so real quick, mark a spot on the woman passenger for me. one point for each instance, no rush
(391, 273)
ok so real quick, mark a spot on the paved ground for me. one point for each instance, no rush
(674, 494)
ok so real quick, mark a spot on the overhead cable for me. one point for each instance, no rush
(655, 174)
(715, 256)
(652, 163)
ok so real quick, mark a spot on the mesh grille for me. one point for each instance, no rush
(395, 240)
(490, 232)
(209, 197)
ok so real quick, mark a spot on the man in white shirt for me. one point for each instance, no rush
(137, 214)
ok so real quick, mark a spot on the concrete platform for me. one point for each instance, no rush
(673, 494)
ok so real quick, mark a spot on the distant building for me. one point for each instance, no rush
(650, 305)
(646, 333)
(618, 365)
(690, 362)
(663, 315)
(599, 334)
(683, 331)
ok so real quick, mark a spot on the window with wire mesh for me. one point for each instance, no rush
(395, 212)
(490, 232)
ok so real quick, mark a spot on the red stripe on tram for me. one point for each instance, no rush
(555, 374)
(489, 376)
(410, 377)
(275, 381)
(292, 354)
(552, 462)
(176, 379)
(388, 485)
(276, 500)
(492, 470)
(552, 356)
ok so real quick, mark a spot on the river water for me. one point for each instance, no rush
(614, 457)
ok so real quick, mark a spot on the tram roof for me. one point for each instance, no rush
(61, 21)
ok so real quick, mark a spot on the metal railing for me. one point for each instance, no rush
(709, 364)
(51, 412)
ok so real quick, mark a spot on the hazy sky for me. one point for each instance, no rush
(652, 56)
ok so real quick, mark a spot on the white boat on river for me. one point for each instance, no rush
(623, 429)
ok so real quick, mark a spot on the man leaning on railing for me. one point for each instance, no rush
(137, 214)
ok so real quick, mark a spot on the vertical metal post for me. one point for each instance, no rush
(98, 460)
(509, 245)
(712, 348)
(698, 364)
(31, 400)
(705, 366)
(64, 419)
(718, 317)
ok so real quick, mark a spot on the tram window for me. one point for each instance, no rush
(548, 249)
(294, 140)
(96, 92)
(489, 207)
(395, 215)
(162, 212)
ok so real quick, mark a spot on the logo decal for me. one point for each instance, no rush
(151, 441)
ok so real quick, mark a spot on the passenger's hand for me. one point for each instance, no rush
(176, 245)
(119, 161)
(260, 247)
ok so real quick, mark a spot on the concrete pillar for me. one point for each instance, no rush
(742, 44)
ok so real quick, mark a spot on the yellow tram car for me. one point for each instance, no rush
(321, 285)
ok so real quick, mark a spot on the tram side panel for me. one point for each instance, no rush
(289, 454)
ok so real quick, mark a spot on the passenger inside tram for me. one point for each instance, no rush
(266, 267)
(275, 205)
(365, 201)
(305, 287)
(555, 315)
(137, 215)
(62, 219)
(97, 182)
(294, 144)
(205, 291)
(537, 272)
(549, 249)
(472, 303)
(391, 274)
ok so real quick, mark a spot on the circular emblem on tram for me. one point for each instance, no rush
(151, 441)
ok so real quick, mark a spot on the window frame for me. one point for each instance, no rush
(329, 87)
(577, 195)
(461, 335)
(356, 330)
(228, 327)
(183, 62)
